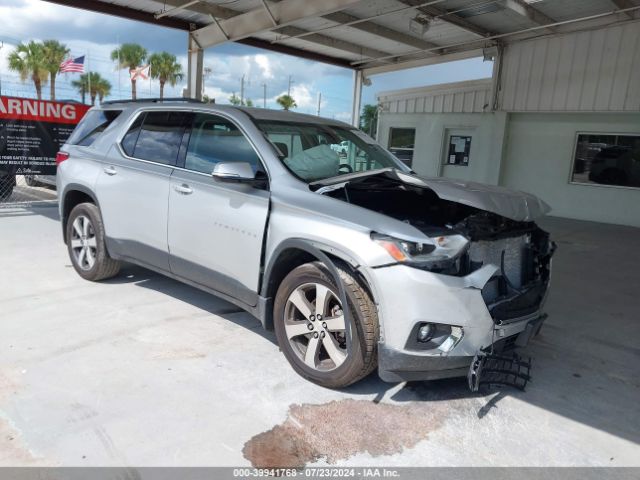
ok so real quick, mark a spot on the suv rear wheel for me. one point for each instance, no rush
(311, 331)
(85, 242)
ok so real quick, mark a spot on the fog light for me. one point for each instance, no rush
(425, 332)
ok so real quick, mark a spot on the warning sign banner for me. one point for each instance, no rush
(32, 132)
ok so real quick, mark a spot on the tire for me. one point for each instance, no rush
(85, 231)
(345, 365)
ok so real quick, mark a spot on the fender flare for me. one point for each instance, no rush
(310, 248)
(63, 197)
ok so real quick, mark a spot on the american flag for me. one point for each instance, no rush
(72, 65)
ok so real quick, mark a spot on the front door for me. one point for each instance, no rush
(216, 228)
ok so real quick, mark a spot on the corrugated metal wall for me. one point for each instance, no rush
(464, 97)
(590, 71)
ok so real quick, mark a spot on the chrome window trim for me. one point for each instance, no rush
(143, 110)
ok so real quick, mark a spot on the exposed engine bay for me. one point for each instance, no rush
(520, 250)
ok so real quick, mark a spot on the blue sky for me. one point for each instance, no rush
(97, 35)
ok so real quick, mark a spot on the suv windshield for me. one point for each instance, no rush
(315, 152)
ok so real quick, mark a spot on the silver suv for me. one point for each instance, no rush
(355, 261)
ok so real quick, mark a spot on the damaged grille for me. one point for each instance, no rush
(507, 252)
(519, 286)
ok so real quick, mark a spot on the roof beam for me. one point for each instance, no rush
(622, 4)
(330, 42)
(379, 30)
(148, 17)
(125, 12)
(202, 7)
(523, 9)
(258, 20)
(451, 18)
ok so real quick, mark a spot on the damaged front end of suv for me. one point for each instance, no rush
(451, 303)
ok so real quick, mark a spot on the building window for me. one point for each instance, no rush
(401, 143)
(606, 159)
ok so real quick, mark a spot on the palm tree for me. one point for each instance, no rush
(54, 54)
(103, 89)
(82, 85)
(29, 61)
(93, 84)
(368, 119)
(235, 100)
(286, 101)
(130, 56)
(165, 68)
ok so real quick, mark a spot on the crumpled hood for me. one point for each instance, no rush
(512, 204)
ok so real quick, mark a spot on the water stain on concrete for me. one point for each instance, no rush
(341, 429)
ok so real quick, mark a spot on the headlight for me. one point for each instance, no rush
(436, 250)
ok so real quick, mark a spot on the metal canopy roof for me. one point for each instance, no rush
(370, 35)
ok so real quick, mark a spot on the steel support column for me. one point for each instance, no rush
(357, 97)
(195, 69)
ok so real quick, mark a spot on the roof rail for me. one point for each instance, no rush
(154, 100)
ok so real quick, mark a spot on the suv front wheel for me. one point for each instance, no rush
(310, 326)
(85, 242)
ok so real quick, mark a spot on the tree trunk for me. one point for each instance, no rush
(38, 84)
(83, 95)
(93, 99)
(53, 87)
(161, 89)
(133, 90)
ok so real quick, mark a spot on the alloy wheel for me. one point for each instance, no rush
(83, 242)
(315, 326)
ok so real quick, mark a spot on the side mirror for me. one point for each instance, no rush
(233, 172)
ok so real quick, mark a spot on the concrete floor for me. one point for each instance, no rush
(142, 370)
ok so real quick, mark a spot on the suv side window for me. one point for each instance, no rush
(215, 139)
(157, 137)
(91, 126)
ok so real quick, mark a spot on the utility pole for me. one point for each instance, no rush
(242, 90)
(206, 71)
(289, 88)
(319, 101)
(264, 95)
(1, 46)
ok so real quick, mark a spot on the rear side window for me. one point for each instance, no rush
(215, 139)
(91, 126)
(157, 137)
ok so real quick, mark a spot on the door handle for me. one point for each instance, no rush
(184, 189)
(110, 170)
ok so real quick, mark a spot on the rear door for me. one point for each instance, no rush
(133, 187)
(216, 228)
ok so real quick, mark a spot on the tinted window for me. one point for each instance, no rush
(92, 125)
(129, 141)
(607, 160)
(401, 143)
(159, 137)
(213, 140)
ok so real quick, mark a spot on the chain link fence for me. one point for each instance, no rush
(16, 190)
